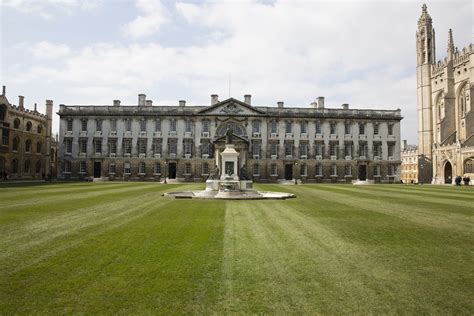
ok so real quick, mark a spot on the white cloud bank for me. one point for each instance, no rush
(362, 53)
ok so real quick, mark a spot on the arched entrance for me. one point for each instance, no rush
(448, 173)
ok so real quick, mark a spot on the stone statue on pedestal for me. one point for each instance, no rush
(228, 136)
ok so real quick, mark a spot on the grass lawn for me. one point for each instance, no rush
(88, 248)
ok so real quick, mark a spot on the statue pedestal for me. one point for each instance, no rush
(229, 163)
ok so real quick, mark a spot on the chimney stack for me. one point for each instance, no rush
(4, 90)
(320, 102)
(116, 102)
(214, 99)
(248, 99)
(280, 104)
(35, 108)
(49, 108)
(314, 105)
(21, 102)
(345, 106)
(141, 99)
(149, 102)
(182, 102)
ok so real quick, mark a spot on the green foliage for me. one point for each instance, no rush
(107, 248)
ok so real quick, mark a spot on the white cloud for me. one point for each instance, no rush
(358, 53)
(48, 50)
(154, 15)
(46, 9)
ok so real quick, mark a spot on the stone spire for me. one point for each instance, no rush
(450, 44)
(425, 18)
(425, 39)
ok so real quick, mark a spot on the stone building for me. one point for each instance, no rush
(445, 108)
(25, 140)
(409, 166)
(275, 144)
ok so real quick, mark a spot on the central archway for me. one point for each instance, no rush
(448, 173)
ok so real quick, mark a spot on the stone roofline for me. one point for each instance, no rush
(29, 112)
(460, 57)
(164, 110)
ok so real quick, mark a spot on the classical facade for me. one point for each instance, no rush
(148, 142)
(25, 140)
(445, 107)
(409, 167)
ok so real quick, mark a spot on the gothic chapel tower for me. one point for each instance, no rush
(425, 51)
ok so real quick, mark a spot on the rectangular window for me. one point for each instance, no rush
(157, 168)
(288, 149)
(157, 125)
(347, 129)
(84, 125)
(391, 170)
(128, 125)
(126, 168)
(361, 129)
(303, 149)
(67, 167)
(205, 168)
(332, 128)
(98, 125)
(319, 149)
(319, 170)
(289, 127)
(98, 146)
(173, 125)
(172, 147)
(333, 149)
(333, 170)
(157, 146)
(188, 148)
(303, 127)
(274, 127)
(256, 169)
(188, 126)
(142, 168)
(112, 168)
(391, 149)
(255, 126)
(377, 150)
(348, 170)
(205, 149)
(256, 148)
(273, 149)
(187, 168)
(273, 170)
(142, 144)
(362, 149)
(83, 146)
(205, 126)
(82, 167)
(68, 145)
(143, 126)
(69, 125)
(113, 125)
(127, 146)
(390, 129)
(376, 129)
(303, 170)
(113, 146)
(377, 170)
(318, 127)
(348, 149)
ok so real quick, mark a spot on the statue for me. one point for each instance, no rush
(228, 136)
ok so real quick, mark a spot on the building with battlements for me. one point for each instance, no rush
(275, 144)
(445, 107)
(25, 140)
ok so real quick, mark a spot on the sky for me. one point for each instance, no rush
(92, 52)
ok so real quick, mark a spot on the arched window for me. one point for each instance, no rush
(15, 166)
(16, 143)
(463, 100)
(38, 166)
(237, 129)
(38, 147)
(16, 123)
(39, 129)
(28, 145)
(27, 166)
(29, 126)
(440, 106)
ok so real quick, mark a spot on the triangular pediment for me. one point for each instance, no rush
(231, 106)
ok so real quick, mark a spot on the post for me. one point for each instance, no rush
(296, 173)
(166, 168)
